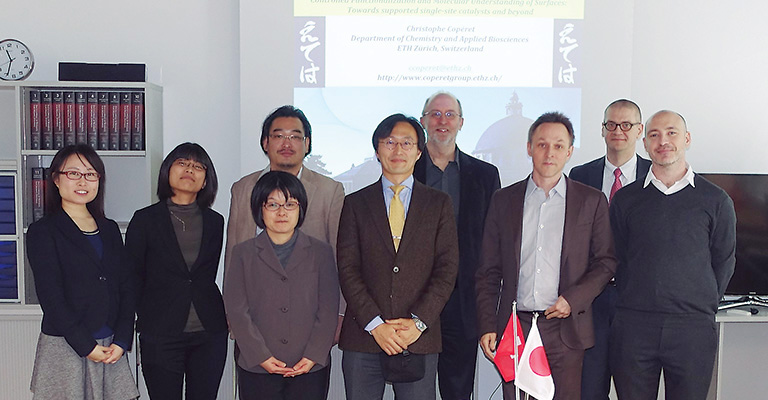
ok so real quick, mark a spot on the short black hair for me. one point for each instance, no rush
(624, 103)
(194, 152)
(385, 129)
(287, 183)
(84, 153)
(288, 111)
(552, 117)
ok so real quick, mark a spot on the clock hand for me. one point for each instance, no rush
(9, 55)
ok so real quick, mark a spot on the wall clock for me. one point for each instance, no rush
(16, 61)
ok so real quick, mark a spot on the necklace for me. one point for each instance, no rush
(183, 225)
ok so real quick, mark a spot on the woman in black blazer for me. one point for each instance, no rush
(85, 289)
(175, 246)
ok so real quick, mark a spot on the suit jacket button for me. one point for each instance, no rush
(284, 309)
(396, 269)
(283, 278)
(284, 341)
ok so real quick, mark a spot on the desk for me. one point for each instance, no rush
(741, 366)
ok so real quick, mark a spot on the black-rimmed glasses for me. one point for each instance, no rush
(76, 175)
(625, 126)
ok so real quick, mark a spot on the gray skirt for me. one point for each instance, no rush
(59, 373)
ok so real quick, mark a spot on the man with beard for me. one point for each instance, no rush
(470, 183)
(675, 236)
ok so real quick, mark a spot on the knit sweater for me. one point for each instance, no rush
(676, 252)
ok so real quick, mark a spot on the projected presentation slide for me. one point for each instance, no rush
(508, 61)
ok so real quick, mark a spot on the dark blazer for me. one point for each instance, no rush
(287, 313)
(167, 286)
(78, 291)
(417, 279)
(591, 173)
(587, 259)
(478, 181)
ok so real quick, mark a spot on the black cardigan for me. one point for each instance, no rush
(166, 285)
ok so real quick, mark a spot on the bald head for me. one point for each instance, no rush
(665, 113)
(623, 103)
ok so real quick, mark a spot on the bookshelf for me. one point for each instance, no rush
(131, 165)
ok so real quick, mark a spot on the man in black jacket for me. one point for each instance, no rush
(622, 128)
(470, 183)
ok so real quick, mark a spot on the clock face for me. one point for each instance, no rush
(16, 61)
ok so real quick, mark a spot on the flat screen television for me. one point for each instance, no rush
(750, 199)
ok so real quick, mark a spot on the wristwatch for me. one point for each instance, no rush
(420, 325)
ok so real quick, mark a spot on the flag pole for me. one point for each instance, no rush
(514, 343)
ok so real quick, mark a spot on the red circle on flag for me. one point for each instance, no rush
(538, 362)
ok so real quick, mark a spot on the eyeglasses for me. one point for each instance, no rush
(190, 164)
(391, 144)
(625, 126)
(76, 175)
(288, 206)
(449, 115)
(291, 138)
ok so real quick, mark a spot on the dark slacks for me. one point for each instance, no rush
(596, 374)
(564, 362)
(167, 360)
(456, 364)
(643, 344)
(311, 386)
(363, 379)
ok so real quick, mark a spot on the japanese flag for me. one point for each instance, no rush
(506, 357)
(533, 374)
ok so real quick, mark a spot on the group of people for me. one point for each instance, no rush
(407, 275)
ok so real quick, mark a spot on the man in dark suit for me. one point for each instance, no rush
(470, 183)
(622, 128)
(548, 240)
(397, 259)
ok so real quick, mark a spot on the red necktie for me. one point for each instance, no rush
(616, 183)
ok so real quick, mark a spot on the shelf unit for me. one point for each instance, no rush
(131, 174)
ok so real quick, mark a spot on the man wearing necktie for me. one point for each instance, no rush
(398, 259)
(621, 129)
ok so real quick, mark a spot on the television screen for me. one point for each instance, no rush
(750, 199)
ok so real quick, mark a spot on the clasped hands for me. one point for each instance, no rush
(395, 335)
(275, 366)
(106, 355)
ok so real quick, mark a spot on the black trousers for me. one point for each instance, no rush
(255, 386)
(596, 374)
(198, 356)
(456, 363)
(643, 344)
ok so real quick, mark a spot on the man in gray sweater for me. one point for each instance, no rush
(675, 237)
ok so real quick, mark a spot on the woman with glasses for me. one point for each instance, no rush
(174, 246)
(85, 289)
(282, 298)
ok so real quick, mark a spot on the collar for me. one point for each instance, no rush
(677, 186)
(628, 169)
(559, 188)
(455, 157)
(386, 183)
(268, 169)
